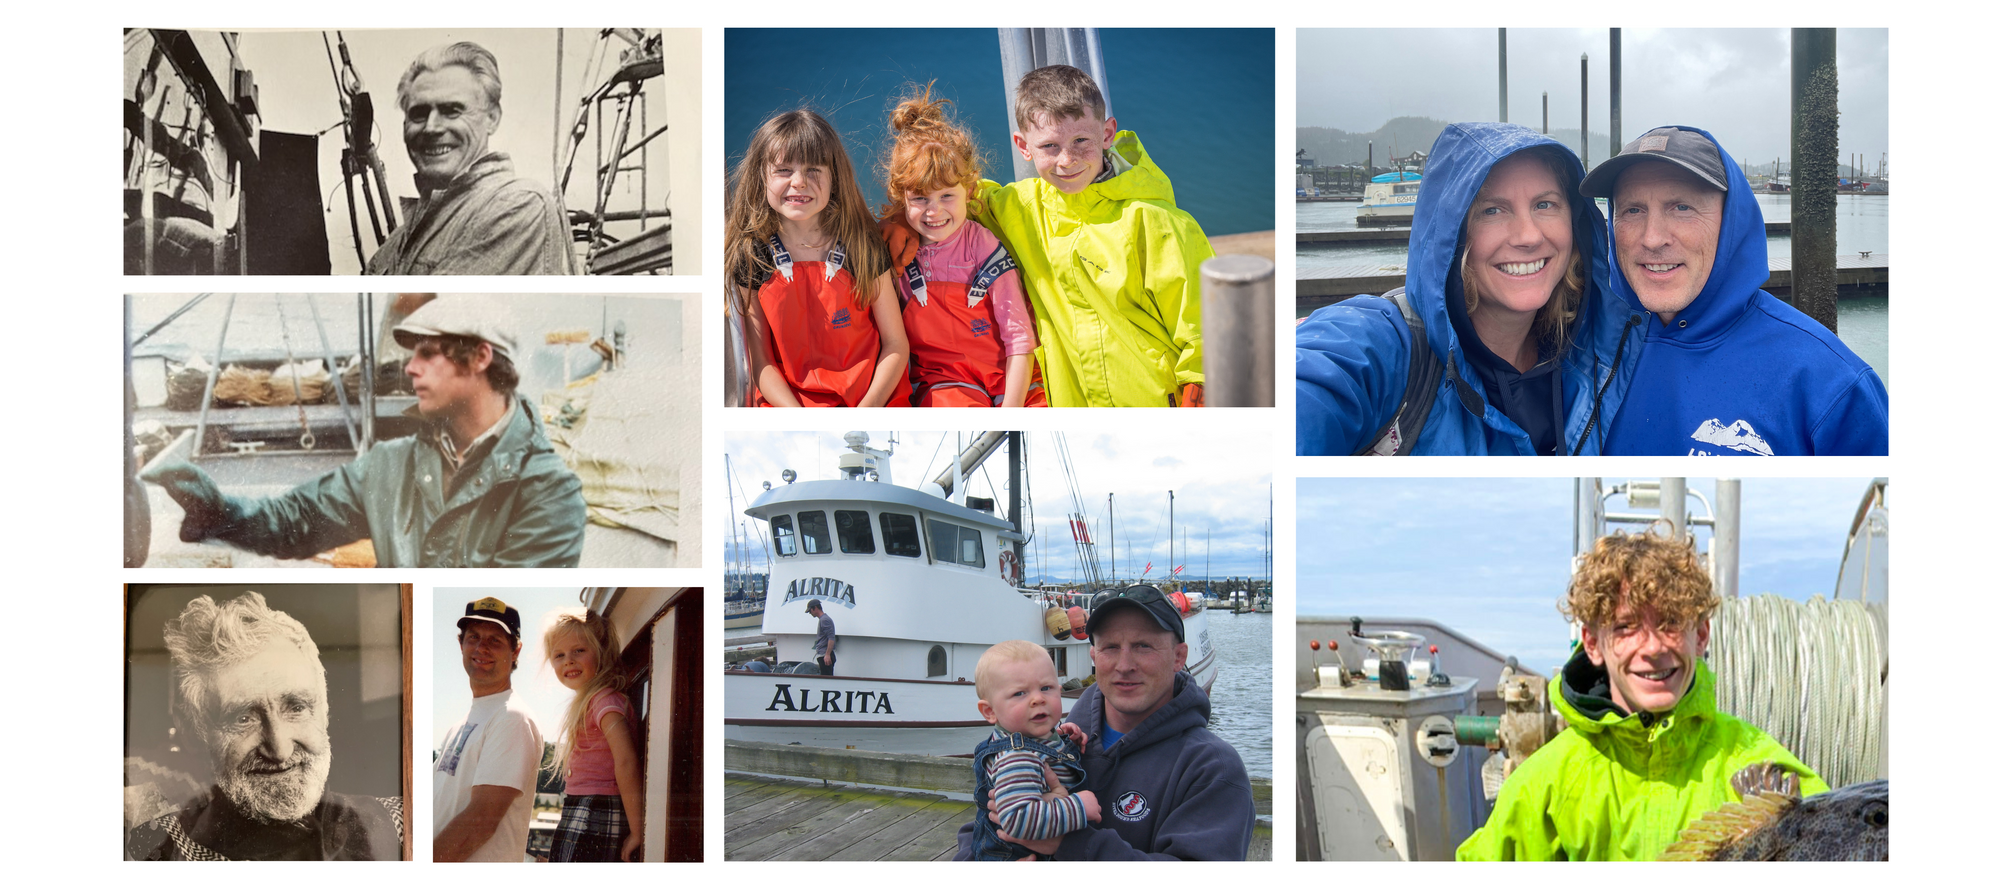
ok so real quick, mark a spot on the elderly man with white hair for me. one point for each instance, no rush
(249, 688)
(475, 216)
(479, 486)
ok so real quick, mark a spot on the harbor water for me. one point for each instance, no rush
(1861, 223)
(1201, 101)
(1240, 702)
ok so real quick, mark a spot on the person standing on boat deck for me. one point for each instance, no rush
(1172, 790)
(1727, 369)
(483, 786)
(478, 487)
(1646, 753)
(474, 217)
(823, 643)
(249, 688)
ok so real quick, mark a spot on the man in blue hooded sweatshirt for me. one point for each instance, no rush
(1727, 369)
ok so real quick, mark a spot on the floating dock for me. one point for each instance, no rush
(1402, 235)
(1861, 274)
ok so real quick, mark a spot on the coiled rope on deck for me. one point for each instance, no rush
(1809, 674)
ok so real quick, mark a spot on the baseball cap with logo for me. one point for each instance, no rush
(1687, 148)
(1143, 596)
(495, 611)
(479, 316)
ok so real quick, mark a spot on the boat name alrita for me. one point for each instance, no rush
(830, 701)
(826, 589)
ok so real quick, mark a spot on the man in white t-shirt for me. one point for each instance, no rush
(483, 787)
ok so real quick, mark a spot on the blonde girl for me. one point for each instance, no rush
(604, 812)
(808, 273)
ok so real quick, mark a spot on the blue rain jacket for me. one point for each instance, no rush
(1740, 372)
(1353, 358)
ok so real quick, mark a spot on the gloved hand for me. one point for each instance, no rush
(208, 509)
(902, 240)
(1191, 396)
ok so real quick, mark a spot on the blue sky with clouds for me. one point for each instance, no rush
(1490, 557)
(1220, 492)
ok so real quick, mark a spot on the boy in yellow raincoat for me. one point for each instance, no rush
(1112, 266)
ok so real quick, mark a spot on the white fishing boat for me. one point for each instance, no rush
(919, 584)
(1389, 199)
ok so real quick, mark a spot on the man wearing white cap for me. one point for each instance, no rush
(477, 487)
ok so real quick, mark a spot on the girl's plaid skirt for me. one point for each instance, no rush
(592, 828)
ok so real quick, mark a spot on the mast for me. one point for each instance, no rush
(1110, 506)
(1014, 502)
(735, 543)
(1170, 535)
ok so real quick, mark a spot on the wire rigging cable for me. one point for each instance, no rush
(1810, 674)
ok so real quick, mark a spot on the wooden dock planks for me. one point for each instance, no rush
(775, 819)
(780, 819)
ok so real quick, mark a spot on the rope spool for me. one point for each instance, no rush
(1810, 674)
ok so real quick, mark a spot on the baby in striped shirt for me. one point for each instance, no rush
(1019, 694)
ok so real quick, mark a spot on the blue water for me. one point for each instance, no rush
(1202, 101)
(1240, 702)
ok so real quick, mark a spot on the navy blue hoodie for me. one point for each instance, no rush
(1739, 372)
(1353, 358)
(1170, 789)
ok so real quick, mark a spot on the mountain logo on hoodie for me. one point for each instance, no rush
(1131, 807)
(1737, 436)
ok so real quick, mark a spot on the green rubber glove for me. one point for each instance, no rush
(208, 509)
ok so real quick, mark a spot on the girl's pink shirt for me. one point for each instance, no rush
(956, 260)
(591, 769)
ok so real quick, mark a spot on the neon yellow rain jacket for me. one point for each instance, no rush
(1114, 274)
(1613, 788)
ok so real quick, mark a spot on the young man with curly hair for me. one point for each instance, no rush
(1646, 752)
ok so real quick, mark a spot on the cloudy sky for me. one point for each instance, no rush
(1221, 489)
(1489, 557)
(1735, 83)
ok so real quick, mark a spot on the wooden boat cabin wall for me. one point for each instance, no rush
(659, 633)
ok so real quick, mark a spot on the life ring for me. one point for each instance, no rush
(1008, 570)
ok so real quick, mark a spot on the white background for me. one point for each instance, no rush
(63, 67)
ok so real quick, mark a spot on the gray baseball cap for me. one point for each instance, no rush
(479, 316)
(1687, 148)
(1145, 597)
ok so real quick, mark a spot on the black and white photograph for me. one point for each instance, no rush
(412, 430)
(268, 724)
(412, 152)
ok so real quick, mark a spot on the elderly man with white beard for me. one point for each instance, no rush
(249, 688)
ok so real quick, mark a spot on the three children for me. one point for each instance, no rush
(1109, 264)
(1020, 695)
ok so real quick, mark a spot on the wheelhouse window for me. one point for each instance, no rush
(855, 535)
(935, 667)
(783, 537)
(899, 535)
(956, 543)
(812, 533)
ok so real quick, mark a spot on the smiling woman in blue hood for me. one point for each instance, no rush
(1507, 271)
